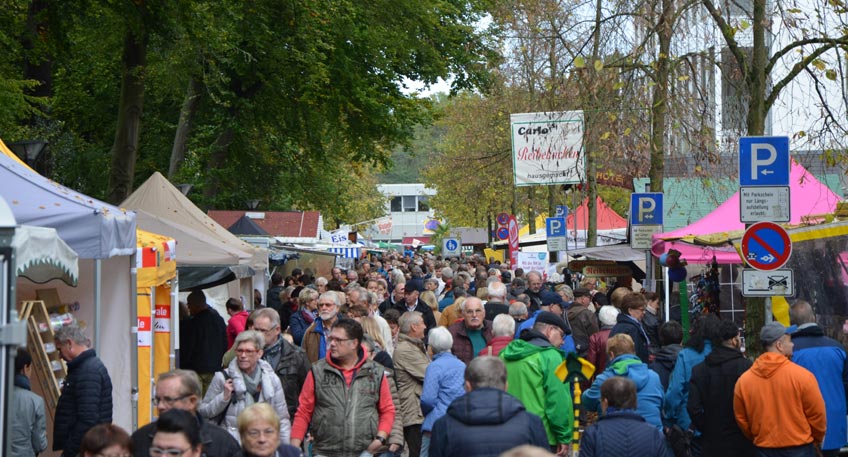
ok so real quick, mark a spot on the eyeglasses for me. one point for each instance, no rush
(246, 351)
(255, 433)
(120, 454)
(264, 330)
(168, 400)
(171, 452)
(333, 339)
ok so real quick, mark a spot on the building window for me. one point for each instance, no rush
(396, 204)
(409, 203)
(423, 203)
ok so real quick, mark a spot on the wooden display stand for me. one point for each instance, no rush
(48, 367)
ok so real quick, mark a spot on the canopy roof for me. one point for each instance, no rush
(159, 198)
(707, 237)
(245, 226)
(608, 219)
(40, 256)
(92, 228)
(196, 248)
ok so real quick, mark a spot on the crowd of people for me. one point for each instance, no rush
(416, 356)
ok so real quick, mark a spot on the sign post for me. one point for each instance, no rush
(451, 247)
(556, 234)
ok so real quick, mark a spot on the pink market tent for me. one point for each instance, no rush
(808, 197)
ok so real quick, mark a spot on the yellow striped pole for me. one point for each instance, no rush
(575, 439)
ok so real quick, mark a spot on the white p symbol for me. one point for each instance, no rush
(646, 208)
(556, 226)
(755, 157)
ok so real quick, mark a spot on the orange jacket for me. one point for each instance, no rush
(778, 404)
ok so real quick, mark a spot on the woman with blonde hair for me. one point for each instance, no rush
(429, 298)
(372, 329)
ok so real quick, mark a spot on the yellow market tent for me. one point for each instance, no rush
(156, 268)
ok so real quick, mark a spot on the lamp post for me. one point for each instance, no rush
(29, 150)
(253, 204)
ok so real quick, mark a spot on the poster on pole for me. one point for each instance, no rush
(547, 148)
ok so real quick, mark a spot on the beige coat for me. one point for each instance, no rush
(411, 360)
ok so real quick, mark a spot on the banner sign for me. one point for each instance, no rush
(533, 261)
(547, 148)
(513, 241)
(384, 225)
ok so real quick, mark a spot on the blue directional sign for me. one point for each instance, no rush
(646, 208)
(764, 161)
(561, 211)
(555, 227)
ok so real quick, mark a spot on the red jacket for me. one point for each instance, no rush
(495, 344)
(235, 326)
(462, 347)
(306, 402)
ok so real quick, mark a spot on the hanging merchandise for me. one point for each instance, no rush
(706, 298)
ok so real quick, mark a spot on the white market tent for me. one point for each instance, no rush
(41, 256)
(104, 237)
(174, 215)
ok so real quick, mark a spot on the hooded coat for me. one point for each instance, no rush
(485, 422)
(531, 363)
(649, 393)
(664, 361)
(677, 393)
(630, 326)
(826, 360)
(798, 417)
(711, 403)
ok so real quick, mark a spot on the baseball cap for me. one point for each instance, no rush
(772, 332)
(547, 317)
(550, 298)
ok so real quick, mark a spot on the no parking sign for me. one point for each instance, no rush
(766, 246)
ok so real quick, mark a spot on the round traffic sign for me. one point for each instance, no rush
(502, 219)
(502, 233)
(766, 246)
(451, 245)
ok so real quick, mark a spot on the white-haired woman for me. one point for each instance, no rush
(247, 380)
(444, 382)
(597, 353)
(503, 331)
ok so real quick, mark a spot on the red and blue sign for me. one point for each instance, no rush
(502, 219)
(502, 233)
(766, 246)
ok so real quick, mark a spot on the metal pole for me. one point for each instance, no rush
(98, 269)
(134, 340)
(175, 321)
(667, 293)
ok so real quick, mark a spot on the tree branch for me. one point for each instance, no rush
(796, 69)
(727, 33)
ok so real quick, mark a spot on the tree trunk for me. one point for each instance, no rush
(216, 162)
(38, 66)
(125, 147)
(591, 145)
(187, 112)
(659, 105)
(757, 76)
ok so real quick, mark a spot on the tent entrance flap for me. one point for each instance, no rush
(204, 277)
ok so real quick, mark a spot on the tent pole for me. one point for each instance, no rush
(175, 321)
(98, 269)
(667, 293)
(134, 339)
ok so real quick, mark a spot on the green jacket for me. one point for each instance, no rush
(530, 367)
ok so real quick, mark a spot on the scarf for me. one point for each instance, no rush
(22, 382)
(251, 383)
(273, 352)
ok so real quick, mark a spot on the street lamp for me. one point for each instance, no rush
(28, 150)
(253, 204)
(184, 188)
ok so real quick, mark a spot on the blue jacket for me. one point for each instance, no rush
(826, 359)
(677, 395)
(649, 392)
(444, 382)
(483, 423)
(623, 434)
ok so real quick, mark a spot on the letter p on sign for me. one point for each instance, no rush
(646, 208)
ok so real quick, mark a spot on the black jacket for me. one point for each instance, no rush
(664, 361)
(623, 434)
(292, 368)
(217, 442)
(625, 324)
(203, 342)
(494, 308)
(272, 299)
(421, 307)
(711, 402)
(485, 422)
(651, 324)
(86, 401)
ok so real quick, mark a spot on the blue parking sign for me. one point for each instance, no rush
(555, 227)
(764, 161)
(646, 208)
